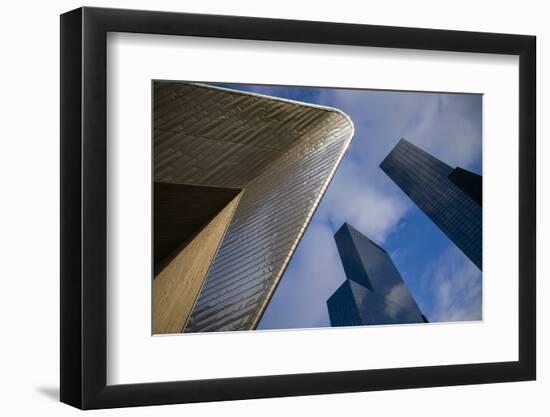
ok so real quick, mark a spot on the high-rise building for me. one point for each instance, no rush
(451, 198)
(237, 178)
(374, 292)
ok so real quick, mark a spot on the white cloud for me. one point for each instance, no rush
(448, 127)
(447, 130)
(456, 287)
(445, 125)
(315, 273)
(366, 206)
(397, 297)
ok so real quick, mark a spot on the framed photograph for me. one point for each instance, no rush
(257, 208)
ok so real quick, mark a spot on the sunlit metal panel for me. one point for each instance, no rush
(282, 153)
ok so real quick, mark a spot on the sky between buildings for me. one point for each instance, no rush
(444, 282)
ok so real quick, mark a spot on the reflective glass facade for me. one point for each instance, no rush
(374, 292)
(426, 181)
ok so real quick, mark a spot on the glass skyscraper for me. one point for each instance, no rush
(374, 292)
(451, 198)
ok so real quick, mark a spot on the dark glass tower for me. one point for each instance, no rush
(451, 198)
(374, 292)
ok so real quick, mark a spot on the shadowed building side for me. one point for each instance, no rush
(177, 286)
(180, 212)
(469, 182)
(342, 308)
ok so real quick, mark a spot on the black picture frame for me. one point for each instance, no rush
(84, 194)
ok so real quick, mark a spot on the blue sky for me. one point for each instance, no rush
(445, 284)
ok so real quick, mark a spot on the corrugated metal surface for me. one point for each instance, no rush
(282, 153)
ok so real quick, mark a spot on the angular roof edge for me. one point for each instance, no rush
(275, 98)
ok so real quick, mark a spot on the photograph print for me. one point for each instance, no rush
(298, 207)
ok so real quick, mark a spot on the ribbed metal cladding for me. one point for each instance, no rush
(282, 153)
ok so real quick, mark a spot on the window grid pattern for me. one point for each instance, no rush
(425, 180)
